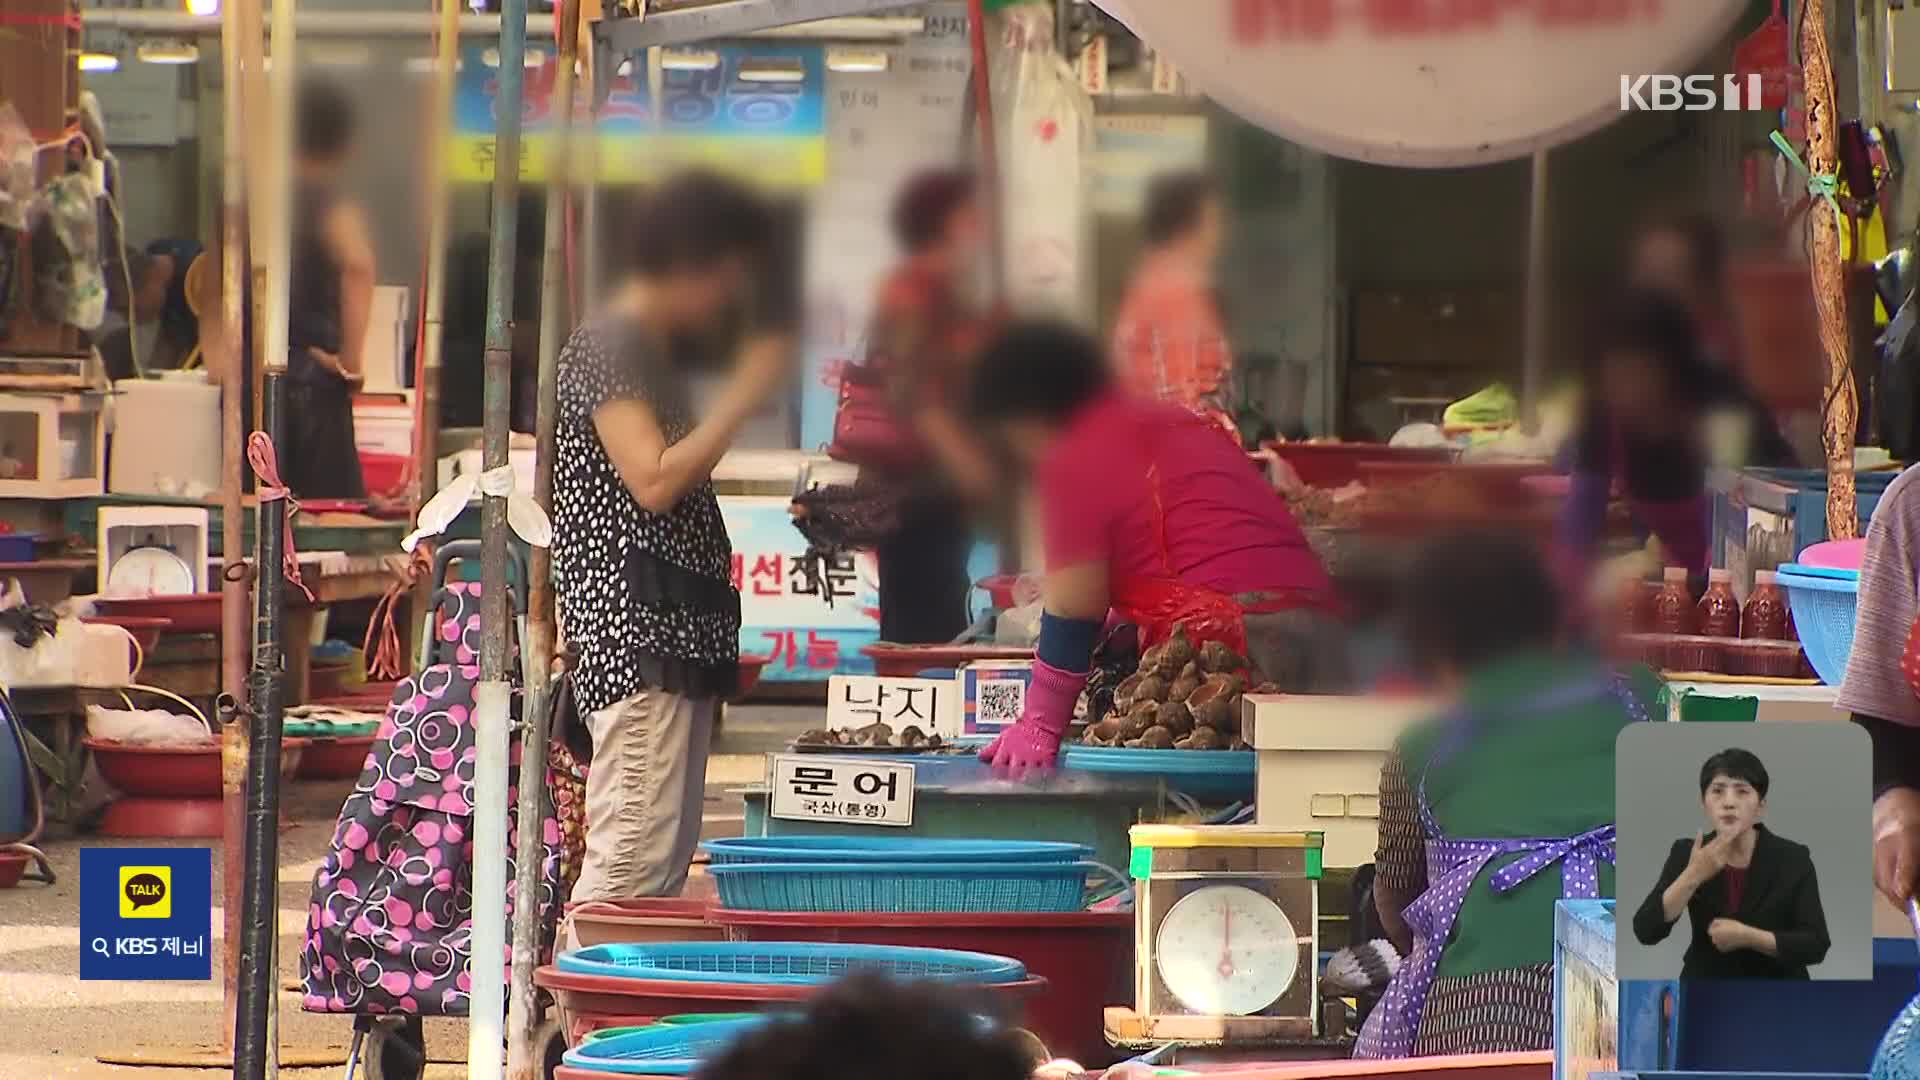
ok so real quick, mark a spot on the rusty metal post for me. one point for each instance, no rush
(523, 1016)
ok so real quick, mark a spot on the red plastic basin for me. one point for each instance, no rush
(335, 759)
(906, 661)
(196, 613)
(1086, 957)
(1333, 465)
(177, 772)
(13, 866)
(611, 995)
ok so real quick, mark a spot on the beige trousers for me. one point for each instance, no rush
(646, 787)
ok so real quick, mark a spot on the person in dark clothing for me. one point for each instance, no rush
(869, 1027)
(1658, 414)
(923, 337)
(332, 300)
(1752, 896)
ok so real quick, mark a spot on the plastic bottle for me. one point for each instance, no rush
(1635, 607)
(1719, 608)
(1765, 616)
(1673, 610)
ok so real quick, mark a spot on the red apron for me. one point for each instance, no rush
(1155, 603)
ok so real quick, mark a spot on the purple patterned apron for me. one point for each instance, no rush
(1453, 865)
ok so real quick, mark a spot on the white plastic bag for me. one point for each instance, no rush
(145, 727)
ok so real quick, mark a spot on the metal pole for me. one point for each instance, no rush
(426, 442)
(256, 1049)
(1539, 290)
(255, 1053)
(486, 970)
(524, 1001)
(234, 646)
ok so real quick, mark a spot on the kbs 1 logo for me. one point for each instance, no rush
(1690, 93)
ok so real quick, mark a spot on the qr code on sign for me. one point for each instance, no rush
(1000, 702)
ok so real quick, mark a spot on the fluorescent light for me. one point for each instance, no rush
(203, 8)
(168, 52)
(339, 56)
(532, 58)
(688, 60)
(840, 58)
(780, 69)
(93, 61)
(427, 65)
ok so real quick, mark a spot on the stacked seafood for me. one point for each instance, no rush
(1182, 697)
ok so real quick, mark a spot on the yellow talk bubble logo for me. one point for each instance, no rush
(146, 892)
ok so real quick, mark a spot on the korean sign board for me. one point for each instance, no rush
(851, 791)
(1428, 83)
(809, 620)
(857, 701)
(773, 131)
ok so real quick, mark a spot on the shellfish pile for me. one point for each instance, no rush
(1183, 697)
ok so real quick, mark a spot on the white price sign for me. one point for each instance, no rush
(808, 787)
(857, 701)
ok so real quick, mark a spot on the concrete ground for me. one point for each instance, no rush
(52, 1025)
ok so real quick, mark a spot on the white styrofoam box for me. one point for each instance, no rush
(384, 360)
(166, 438)
(183, 529)
(383, 425)
(79, 654)
(1318, 763)
(52, 446)
(780, 469)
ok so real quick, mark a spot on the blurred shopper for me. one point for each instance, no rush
(1493, 811)
(641, 555)
(868, 1027)
(1170, 341)
(332, 302)
(922, 340)
(1657, 416)
(1882, 685)
(1148, 513)
(1684, 256)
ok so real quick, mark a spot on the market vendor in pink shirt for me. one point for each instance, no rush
(1150, 513)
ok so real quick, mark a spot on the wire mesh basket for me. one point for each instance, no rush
(785, 963)
(661, 1050)
(888, 849)
(904, 886)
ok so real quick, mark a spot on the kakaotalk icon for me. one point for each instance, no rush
(1691, 93)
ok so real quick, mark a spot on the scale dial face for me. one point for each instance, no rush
(149, 571)
(1226, 950)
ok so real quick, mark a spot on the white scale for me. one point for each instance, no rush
(1226, 937)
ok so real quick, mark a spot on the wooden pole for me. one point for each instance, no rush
(426, 436)
(989, 145)
(234, 592)
(523, 1000)
(1839, 409)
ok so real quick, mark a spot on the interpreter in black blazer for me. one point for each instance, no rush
(1752, 896)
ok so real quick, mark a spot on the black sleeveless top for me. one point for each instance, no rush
(313, 318)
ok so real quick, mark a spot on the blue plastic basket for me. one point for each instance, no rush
(891, 849)
(904, 887)
(1218, 776)
(784, 963)
(661, 1050)
(1823, 606)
